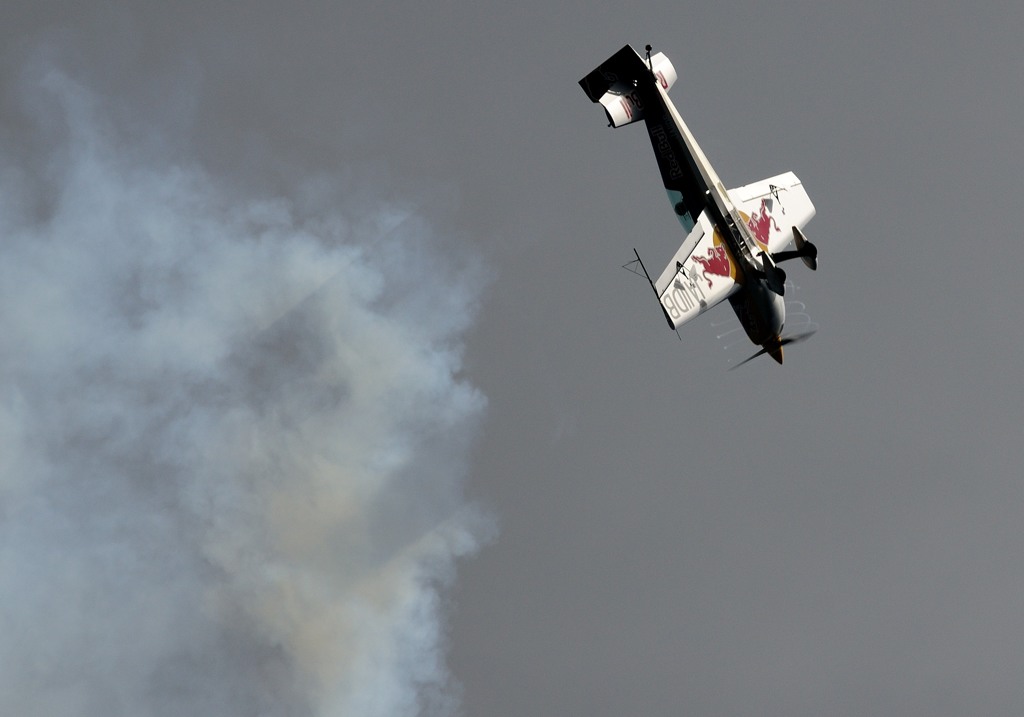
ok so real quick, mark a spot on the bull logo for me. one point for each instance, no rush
(716, 263)
(761, 224)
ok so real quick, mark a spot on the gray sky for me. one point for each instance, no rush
(625, 527)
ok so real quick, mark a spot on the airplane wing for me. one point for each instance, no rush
(702, 273)
(772, 208)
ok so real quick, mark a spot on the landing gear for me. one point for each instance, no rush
(805, 251)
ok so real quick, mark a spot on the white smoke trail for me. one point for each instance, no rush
(232, 440)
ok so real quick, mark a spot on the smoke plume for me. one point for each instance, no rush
(233, 436)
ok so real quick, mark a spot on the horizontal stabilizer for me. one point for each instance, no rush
(613, 84)
(617, 74)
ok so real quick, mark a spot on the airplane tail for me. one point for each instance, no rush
(613, 84)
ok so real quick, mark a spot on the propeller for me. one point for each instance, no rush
(795, 339)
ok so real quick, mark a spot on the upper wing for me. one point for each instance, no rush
(772, 207)
(701, 274)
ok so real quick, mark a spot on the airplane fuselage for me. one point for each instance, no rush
(760, 309)
(726, 252)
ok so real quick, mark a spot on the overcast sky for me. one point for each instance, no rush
(323, 392)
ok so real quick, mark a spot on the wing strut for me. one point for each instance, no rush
(631, 266)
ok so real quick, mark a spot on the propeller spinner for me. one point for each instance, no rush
(774, 348)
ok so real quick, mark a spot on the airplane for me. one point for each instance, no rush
(735, 239)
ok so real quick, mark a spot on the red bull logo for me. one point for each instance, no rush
(715, 263)
(761, 224)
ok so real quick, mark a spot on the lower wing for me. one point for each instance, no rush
(702, 274)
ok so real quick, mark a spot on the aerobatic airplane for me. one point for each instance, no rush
(735, 239)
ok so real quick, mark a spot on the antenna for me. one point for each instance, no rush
(631, 266)
(648, 48)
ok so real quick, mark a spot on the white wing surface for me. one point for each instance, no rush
(701, 274)
(771, 208)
